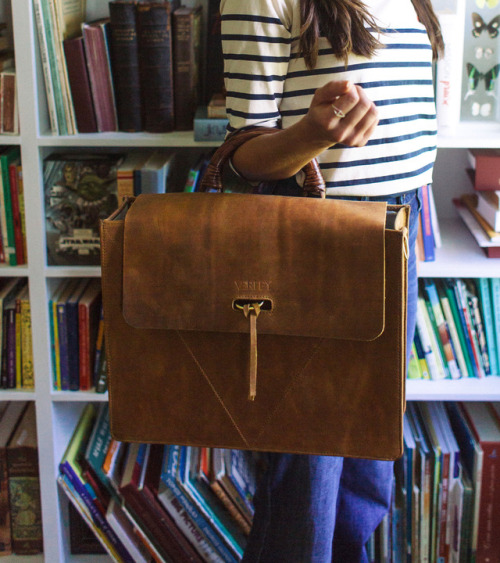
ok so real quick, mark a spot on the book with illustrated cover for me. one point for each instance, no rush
(79, 191)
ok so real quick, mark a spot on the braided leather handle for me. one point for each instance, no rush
(314, 183)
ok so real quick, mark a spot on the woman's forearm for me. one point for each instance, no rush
(280, 155)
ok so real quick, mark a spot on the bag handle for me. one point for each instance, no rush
(314, 183)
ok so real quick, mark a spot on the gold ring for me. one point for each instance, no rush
(338, 112)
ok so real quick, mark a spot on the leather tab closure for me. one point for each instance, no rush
(252, 312)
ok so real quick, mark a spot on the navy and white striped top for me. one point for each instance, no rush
(269, 84)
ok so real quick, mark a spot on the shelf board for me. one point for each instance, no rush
(467, 389)
(73, 271)
(38, 558)
(13, 271)
(10, 140)
(119, 139)
(470, 135)
(16, 395)
(78, 396)
(459, 255)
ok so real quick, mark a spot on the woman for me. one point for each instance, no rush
(350, 83)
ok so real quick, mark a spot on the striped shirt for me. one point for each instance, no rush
(268, 83)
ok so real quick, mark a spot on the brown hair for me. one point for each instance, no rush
(345, 24)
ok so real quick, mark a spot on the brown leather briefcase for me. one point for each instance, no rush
(257, 322)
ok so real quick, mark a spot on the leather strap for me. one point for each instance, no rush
(314, 183)
(252, 312)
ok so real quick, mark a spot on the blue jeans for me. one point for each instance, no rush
(323, 509)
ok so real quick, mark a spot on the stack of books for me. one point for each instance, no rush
(136, 69)
(480, 209)
(77, 336)
(150, 501)
(458, 329)
(445, 503)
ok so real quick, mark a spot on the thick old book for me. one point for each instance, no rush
(11, 416)
(187, 45)
(79, 81)
(124, 52)
(154, 31)
(95, 38)
(8, 96)
(80, 190)
(24, 486)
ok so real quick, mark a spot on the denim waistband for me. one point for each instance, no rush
(398, 198)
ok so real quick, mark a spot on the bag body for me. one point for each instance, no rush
(325, 357)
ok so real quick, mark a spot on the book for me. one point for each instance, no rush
(89, 308)
(79, 82)
(16, 212)
(11, 416)
(63, 332)
(428, 340)
(10, 338)
(154, 33)
(484, 163)
(186, 23)
(25, 351)
(216, 107)
(124, 51)
(494, 284)
(70, 468)
(95, 40)
(79, 191)
(82, 539)
(8, 97)
(72, 329)
(145, 504)
(486, 428)
(7, 157)
(8, 292)
(209, 129)
(487, 207)
(128, 176)
(427, 230)
(155, 172)
(213, 67)
(24, 486)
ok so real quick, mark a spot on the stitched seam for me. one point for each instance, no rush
(290, 387)
(213, 388)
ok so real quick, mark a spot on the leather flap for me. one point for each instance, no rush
(319, 264)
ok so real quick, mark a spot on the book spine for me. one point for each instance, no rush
(20, 188)
(427, 233)
(210, 129)
(125, 63)
(9, 105)
(5, 529)
(27, 346)
(186, 33)
(11, 348)
(24, 484)
(57, 354)
(16, 214)
(11, 242)
(19, 373)
(63, 346)
(46, 57)
(154, 31)
(169, 478)
(79, 82)
(231, 508)
(95, 50)
(214, 62)
(72, 323)
(98, 518)
(84, 348)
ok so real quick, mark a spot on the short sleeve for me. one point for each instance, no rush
(256, 42)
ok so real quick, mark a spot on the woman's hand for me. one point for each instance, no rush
(340, 112)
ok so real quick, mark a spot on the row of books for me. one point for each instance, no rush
(153, 502)
(77, 336)
(480, 208)
(445, 506)
(138, 69)
(16, 347)
(458, 329)
(12, 215)
(20, 507)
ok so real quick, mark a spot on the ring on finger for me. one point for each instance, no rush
(338, 112)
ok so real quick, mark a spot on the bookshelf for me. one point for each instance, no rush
(58, 412)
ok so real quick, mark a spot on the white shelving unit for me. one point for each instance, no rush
(58, 412)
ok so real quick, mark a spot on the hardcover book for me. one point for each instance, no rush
(79, 191)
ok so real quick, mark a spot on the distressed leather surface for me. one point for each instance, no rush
(173, 378)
